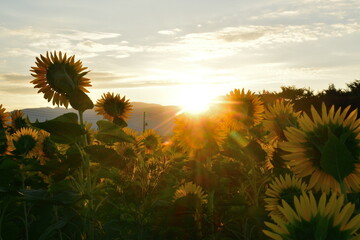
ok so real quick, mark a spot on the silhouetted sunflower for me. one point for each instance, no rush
(58, 76)
(283, 189)
(17, 120)
(4, 118)
(190, 189)
(326, 148)
(196, 132)
(278, 117)
(243, 110)
(326, 219)
(150, 140)
(27, 143)
(113, 106)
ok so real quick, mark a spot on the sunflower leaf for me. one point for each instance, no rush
(80, 101)
(336, 159)
(63, 129)
(111, 133)
(105, 156)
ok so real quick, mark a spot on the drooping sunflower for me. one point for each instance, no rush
(27, 143)
(278, 117)
(283, 188)
(17, 120)
(197, 132)
(190, 189)
(309, 219)
(113, 107)
(150, 140)
(242, 110)
(58, 76)
(4, 118)
(326, 148)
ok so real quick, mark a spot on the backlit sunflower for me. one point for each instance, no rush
(190, 189)
(195, 132)
(278, 117)
(327, 148)
(283, 188)
(113, 107)
(27, 143)
(150, 140)
(48, 147)
(4, 118)
(58, 76)
(242, 110)
(17, 120)
(309, 219)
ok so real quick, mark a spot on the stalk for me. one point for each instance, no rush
(25, 209)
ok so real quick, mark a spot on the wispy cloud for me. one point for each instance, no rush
(232, 40)
(169, 32)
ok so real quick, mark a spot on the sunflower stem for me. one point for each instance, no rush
(343, 190)
(86, 162)
(25, 209)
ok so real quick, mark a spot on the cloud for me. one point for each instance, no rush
(15, 78)
(79, 35)
(230, 41)
(169, 32)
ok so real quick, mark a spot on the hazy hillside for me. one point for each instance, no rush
(158, 117)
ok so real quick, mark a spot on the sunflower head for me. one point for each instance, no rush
(113, 107)
(58, 76)
(243, 110)
(198, 132)
(18, 120)
(283, 188)
(150, 140)
(310, 219)
(278, 117)
(190, 190)
(326, 147)
(27, 143)
(4, 118)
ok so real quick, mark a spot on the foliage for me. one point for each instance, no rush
(214, 179)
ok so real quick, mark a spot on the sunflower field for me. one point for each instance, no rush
(248, 168)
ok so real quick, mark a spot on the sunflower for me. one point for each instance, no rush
(190, 189)
(326, 219)
(150, 140)
(48, 146)
(4, 118)
(131, 132)
(243, 110)
(58, 76)
(198, 132)
(113, 107)
(26, 142)
(283, 188)
(278, 117)
(17, 120)
(326, 148)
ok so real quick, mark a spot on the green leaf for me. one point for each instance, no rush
(336, 159)
(111, 133)
(63, 129)
(80, 101)
(105, 156)
(49, 231)
(120, 122)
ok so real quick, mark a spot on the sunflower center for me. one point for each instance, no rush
(113, 107)
(25, 144)
(319, 227)
(151, 142)
(62, 77)
(318, 138)
(288, 195)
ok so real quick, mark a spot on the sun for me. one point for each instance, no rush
(196, 98)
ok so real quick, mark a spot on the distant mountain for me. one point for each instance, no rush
(158, 117)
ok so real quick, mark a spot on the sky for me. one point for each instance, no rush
(165, 51)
